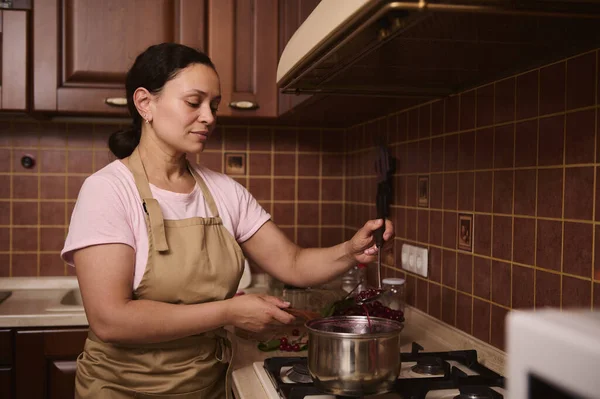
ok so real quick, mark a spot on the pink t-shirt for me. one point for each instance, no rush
(109, 210)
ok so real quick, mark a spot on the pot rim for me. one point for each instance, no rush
(310, 323)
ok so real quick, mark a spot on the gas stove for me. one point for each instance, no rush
(423, 375)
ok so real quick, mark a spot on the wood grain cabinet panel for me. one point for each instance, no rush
(45, 362)
(242, 43)
(14, 39)
(82, 49)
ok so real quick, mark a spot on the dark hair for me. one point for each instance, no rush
(151, 70)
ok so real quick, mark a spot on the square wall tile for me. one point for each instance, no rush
(552, 88)
(547, 289)
(451, 153)
(260, 164)
(422, 294)
(437, 154)
(435, 227)
(466, 186)
(503, 191)
(467, 110)
(449, 306)
(413, 124)
(450, 230)
(449, 268)
(498, 327)
(437, 118)
(580, 137)
(482, 235)
(524, 241)
(284, 214)
(526, 144)
(482, 277)
(450, 191)
(484, 148)
(285, 165)
(502, 233)
(25, 213)
(579, 193)
(481, 319)
(525, 192)
(485, 105)
(423, 226)
(411, 224)
(435, 264)
(522, 287)
(435, 300)
(464, 312)
(527, 95)
(577, 249)
(451, 111)
(261, 188)
(425, 121)
(501, 283)
(24, 265)
(549, 242)
(504, 100)
(25, 187)
(260, 139)
(466, 151)
(411, 191)
(436, 193)
(581, 71)
(464, 272)
(52, 265)
(424, 151)
(483, 191)
(550, 192)
(576, 293)
(551, 140)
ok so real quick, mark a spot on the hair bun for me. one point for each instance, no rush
(123, 142)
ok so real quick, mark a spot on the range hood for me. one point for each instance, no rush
(421, 50)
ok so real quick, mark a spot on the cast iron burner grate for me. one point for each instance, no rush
(299, 373)
(429, 365)
(477, 392)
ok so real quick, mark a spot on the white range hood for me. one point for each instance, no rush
(430, 48)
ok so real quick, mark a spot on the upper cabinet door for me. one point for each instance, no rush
(82, 49)
(242, 43)
(14, 35)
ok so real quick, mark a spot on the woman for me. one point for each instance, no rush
(159, 243)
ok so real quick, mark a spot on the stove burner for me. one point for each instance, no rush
(476, 392)
(299, 373)
(429, 365)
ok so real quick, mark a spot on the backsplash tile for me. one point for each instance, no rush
(520, 154)
(296, 174)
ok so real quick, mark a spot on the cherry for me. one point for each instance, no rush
(296, 348)
(282, 347)
(283, 340)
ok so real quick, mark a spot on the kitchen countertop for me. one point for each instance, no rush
(36, 302)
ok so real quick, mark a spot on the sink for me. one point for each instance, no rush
(70, 302)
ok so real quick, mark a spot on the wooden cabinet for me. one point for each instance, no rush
(6, 364)
(82, 49)
(45, 362)
(292, 14)
(242, 43)
(14, 40)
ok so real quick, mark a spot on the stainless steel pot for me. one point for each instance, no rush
(347, 357)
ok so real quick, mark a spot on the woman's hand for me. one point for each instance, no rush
(362, 246)
(257, 313)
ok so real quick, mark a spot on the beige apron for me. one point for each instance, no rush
(190, 261)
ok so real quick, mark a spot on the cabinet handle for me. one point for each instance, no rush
(116, 101)
(243, 105)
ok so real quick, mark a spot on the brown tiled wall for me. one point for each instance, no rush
(296, 174)
(521, 155)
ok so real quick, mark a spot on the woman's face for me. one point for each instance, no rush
(184, 112)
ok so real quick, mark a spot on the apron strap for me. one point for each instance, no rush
(210, 201)
(151, 206)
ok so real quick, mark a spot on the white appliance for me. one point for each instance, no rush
(424, 49)
(553, 354)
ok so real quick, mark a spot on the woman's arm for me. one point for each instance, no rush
(105, 275)
(303, 267)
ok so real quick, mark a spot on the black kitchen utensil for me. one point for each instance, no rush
(384, 168)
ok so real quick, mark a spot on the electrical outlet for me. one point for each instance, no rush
(415, 259)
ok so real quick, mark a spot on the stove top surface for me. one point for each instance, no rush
(423, 375)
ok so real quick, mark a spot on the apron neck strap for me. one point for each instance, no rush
(151, 206)
(210, 201)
